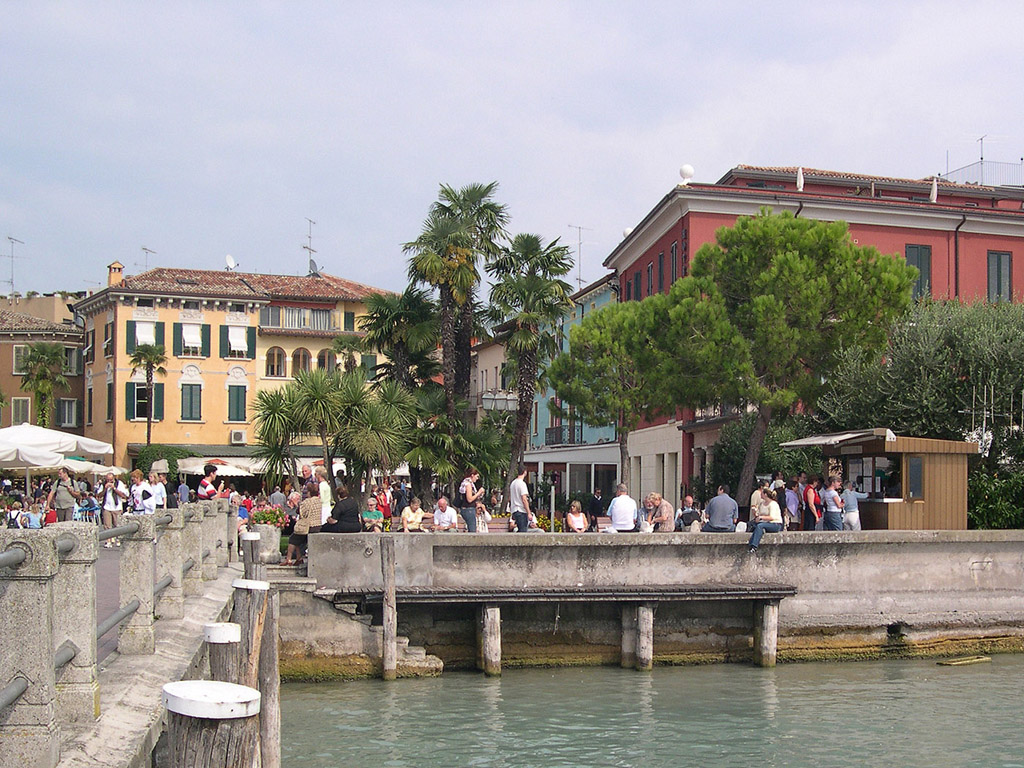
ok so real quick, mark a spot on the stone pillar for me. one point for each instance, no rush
(628, 657)
(74, 623)
(213, 532)
(29, 735)
(192, 549)
(135, 635)
(766, 632)
(645, 637)
(270, 542)
(389, 620)
(223, 555)
(232, 533)
(489, 639)
(169, 557)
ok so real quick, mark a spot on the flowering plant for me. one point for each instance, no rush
(269, 516)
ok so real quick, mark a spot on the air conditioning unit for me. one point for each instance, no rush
(238, 437)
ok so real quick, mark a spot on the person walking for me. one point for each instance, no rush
(63, 495)
(467, 498)
(519, 498)
(114, 494)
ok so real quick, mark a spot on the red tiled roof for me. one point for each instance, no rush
(246, 285)
(844, 176)
(18, 322)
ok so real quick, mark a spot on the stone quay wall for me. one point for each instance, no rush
(859, 595)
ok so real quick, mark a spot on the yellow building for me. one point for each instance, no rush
(226, 334)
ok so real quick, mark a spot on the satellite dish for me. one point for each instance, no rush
(230, 262)
(686, 173)
(313, 269)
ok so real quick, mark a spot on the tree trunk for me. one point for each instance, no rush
(448, 350)
(525, 387)
(463, 342)
(746, 484)
(623, 435)
(149, 410)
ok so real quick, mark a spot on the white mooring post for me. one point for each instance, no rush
(766, 632)
(211, 724)
(222, 643)
(250, 613)
(645, 637)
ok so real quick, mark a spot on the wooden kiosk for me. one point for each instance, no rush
(913, 483)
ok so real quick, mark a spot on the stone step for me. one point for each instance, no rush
(414, 652)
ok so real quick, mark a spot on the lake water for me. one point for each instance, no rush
(886, 713)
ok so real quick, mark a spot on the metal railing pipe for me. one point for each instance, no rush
(163, 520)
(12, 557)
(122, 530)
(116, 618)
(12, 692)
(187, 566)
(64, 655)
(161, 585)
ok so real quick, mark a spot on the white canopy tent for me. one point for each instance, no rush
(194, 466)
(31, 436)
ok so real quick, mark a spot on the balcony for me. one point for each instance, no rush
(565, 434)
(301, 321)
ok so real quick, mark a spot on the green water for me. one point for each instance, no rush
(889, 713)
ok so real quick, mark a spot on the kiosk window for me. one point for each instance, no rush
(915, 477)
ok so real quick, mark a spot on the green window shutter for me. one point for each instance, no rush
(206, 339)
(158, 402)
(179, 345)
(369, 363)
(236, 403)
(158, 335)
(250, 338)
(225, 347)
(129, 400)
(129, 337)
(350, 321)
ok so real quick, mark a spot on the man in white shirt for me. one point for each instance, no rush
(159, 498)
(519, 498)
(445, 518)
(622, 511)
(113, 493)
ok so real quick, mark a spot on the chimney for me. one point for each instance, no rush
(115, 273)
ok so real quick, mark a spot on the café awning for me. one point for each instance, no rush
(841, 438)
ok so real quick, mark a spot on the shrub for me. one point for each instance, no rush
(995, 501)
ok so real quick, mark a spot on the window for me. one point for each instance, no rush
(350, 321)
(327, 359)
(89, 353)
(238, 346)
(369, 365)
(20, 410)
(236, 307)
(142, 332)
(682, 254)
(190, 304)
(483, 380)
(143, 302)
(999, 288)
(275, 362)
(629, 290)
(661, 272)
(270, 317)
(300, 360)
(236, 403)
(915, 477)
(191, 402)
(320, 319)
(20, 354)
(536, 417)
(920, 256)
(88, 406)
(137, 401)
(672, 256)
(72, 361)
(637, 289)
(650, 279)
(108, 339)
(67, 413)
(295, 317)
(191, 340)
(110, 401)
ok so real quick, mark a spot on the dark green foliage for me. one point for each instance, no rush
(731, 449)
(172, 453)
(995, 501)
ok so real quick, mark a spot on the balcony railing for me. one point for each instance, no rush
(717, 411)
(302, 319)
(565, 434)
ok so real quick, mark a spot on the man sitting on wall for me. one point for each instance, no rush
(723, 513)
(623, 511)
(444, 516)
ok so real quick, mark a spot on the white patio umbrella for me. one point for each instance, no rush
(194, 466)
(22, 457)
(31, 436)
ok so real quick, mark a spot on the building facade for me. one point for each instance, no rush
(577, 457)
(226, 335)
(19, 330)
(967, 241)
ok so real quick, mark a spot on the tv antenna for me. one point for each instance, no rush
(230, 263)
(981, 157)
(310, 250)
(12, 241)
(146, 253)
(579, 253)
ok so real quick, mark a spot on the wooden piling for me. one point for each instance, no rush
(250, 547)
(270, 685)
(212, 724)
(489, 629)
(222, 641)
(645, 637)
(389, 653)
(250, 613)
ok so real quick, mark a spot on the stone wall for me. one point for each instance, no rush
(858, 594)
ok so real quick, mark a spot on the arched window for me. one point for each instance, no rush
(326, 359)
(275, 362)
(300, 360)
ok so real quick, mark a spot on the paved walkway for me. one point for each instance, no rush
(107, 596)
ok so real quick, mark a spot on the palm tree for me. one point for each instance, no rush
(527, 299)
(403, 327)
(316, 407)
(276, 434)
(485, 221)
(346, 347)
(44, 376)
(442, 256)
(151, 358)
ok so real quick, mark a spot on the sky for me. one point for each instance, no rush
(198, 130)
